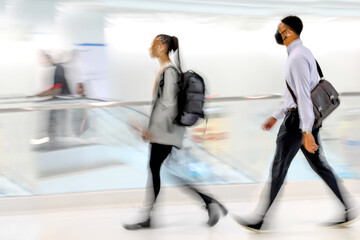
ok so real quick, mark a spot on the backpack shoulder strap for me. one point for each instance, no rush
(162, 78)
(168, 67)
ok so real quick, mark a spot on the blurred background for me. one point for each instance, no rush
(84, 142)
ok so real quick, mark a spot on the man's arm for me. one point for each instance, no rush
(278, 114)
(301, 73)
(269, 123)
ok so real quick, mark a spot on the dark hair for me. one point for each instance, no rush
(172, 44)
(294, 23)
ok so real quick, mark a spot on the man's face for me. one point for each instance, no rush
(285, 32)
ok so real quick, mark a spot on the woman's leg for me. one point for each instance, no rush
(159, 153)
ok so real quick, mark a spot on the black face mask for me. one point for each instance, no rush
(278, 38)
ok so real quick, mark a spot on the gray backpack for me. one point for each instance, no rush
(191, 99)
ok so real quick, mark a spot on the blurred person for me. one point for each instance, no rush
(162, 133)
(80, 90)
(73, 67)
(60, 84)
(57, 118)
(80, 116)
(296, 132)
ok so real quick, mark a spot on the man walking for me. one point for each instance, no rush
(296, 131)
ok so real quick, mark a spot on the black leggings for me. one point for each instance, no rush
(159, 153)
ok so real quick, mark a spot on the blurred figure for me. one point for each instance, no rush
(60, 84)
(296, 131)
(162, 133)
(73, 68)
(57, 118)
(80, 90)
(80, 117)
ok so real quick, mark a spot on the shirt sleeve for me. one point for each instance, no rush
(300, 70)
(280, 112)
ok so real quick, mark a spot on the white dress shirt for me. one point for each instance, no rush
(302, 76)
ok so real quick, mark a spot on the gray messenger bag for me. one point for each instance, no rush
(324, 96)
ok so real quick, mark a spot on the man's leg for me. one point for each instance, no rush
(288, 143)
(319, 164)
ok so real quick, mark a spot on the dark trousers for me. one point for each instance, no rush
(288, 143)
(159, 153)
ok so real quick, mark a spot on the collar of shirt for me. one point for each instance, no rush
(293, 45)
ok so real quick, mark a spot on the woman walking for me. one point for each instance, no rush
(162, 133)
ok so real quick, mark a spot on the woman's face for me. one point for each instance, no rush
(156, 49)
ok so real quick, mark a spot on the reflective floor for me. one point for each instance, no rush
(291, 220)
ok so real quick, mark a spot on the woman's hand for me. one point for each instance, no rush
(146, 136)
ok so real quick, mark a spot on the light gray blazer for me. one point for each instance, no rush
(165, 109)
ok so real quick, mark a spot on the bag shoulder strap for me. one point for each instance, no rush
(319, 70)
(320, 75)
(291, 92)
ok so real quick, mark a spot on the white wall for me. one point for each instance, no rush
(237, 55)
(23, 26)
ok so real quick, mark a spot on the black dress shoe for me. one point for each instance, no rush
(346, 221)
(138, 226)
(215, 211)
(254, 227)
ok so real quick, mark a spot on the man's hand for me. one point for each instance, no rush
(309, 143)
(268, 124)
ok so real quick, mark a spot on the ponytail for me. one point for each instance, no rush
(175, 48)
(172, 44)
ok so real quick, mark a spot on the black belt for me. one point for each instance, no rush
(291, 110)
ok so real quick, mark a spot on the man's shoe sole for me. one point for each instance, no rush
(252, 229)
(249, 228)
(344, 224)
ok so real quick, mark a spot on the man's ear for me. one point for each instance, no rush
(289, 31)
